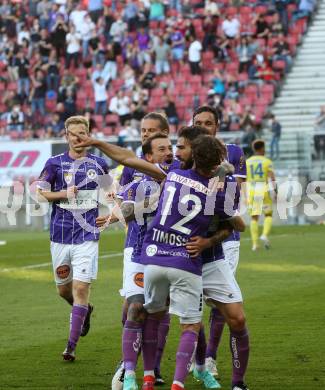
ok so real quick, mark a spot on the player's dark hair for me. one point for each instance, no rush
(207, 109)
(208, 152)
(258, 144)
(192, 132)
(147, 145)
(157, 116)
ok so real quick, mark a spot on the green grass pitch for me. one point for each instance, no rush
(284, 291)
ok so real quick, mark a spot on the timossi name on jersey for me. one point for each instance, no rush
(73, 220)
(185, 210)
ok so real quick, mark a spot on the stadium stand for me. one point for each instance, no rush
(124, 58)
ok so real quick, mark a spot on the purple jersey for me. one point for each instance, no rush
(185, 210)
(141, 193)
(73, 221)
(128, 176)
(235, 156)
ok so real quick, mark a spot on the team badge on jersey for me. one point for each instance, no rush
(68, 177)
(91, 174)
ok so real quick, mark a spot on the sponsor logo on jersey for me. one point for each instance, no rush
(63, 271)
(151, 250)
(138, 279)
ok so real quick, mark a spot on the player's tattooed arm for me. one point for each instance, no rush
(123, 156)
(127, 209)
(237, 223)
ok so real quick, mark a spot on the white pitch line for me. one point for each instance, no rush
(42, 265)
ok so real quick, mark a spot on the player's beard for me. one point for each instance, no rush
(187, 164)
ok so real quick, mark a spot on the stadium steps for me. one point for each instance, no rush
(301, 97)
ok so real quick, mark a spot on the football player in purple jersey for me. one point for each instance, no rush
(185, 209)
(208, 118)
(71, 181)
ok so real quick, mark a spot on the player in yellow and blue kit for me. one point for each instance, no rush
(261, 188)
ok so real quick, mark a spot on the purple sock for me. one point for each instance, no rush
(239, 346)
(162, 338)
(131, 344)
(185, 355)
(201, 348)
(217, 323)
(78, 315)
(149, 343)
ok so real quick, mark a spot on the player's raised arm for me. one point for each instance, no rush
(123, 156)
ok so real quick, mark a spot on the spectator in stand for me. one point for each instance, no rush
(23, 34)
(70, 107)
(305, 9)
(147, 78)
(267, 74)
(177, 43)
(55, 127)
(143, 43)
(120, 105)
(96, 50)
(86, 30)
(157, 11)
(234, 111)
(231, 91)
(15, 119)
(128, 76)
(276, 135)
(247, 119)
(38, 93)
(142, 16)
(73, 39)
(45, 45)
(68, 82)
(225, 122)
(231, 27)
(194, 55)
(162, 54)
(53, 16)
(169, 109)
(262, 27)
(110, 67)
(35, 33)
(95, 9)
(282, 11)
(77, 16)
(276, 26)
(245, 52)
(128, 132)
(218, 83)
(176, 4)
(248, 138)
(319, 137)
(43, 12)
(281, 51)
(118, 32)
(210, 26)
(211, 8)
(130, 14)
(53, 72)
(108, 20)
(58, 36)
(101, 96)
(22, 63)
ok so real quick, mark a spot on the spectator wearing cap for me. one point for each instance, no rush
(194, 55)
(73, 39)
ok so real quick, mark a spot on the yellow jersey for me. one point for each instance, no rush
(258, 169)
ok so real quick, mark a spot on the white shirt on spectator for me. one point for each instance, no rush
(22, 35)
(100, 92)
(120, 106)
(231, 27)
(77, 18)
(194, 51)
(211, 8)
(86, 28)
(73, 43)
